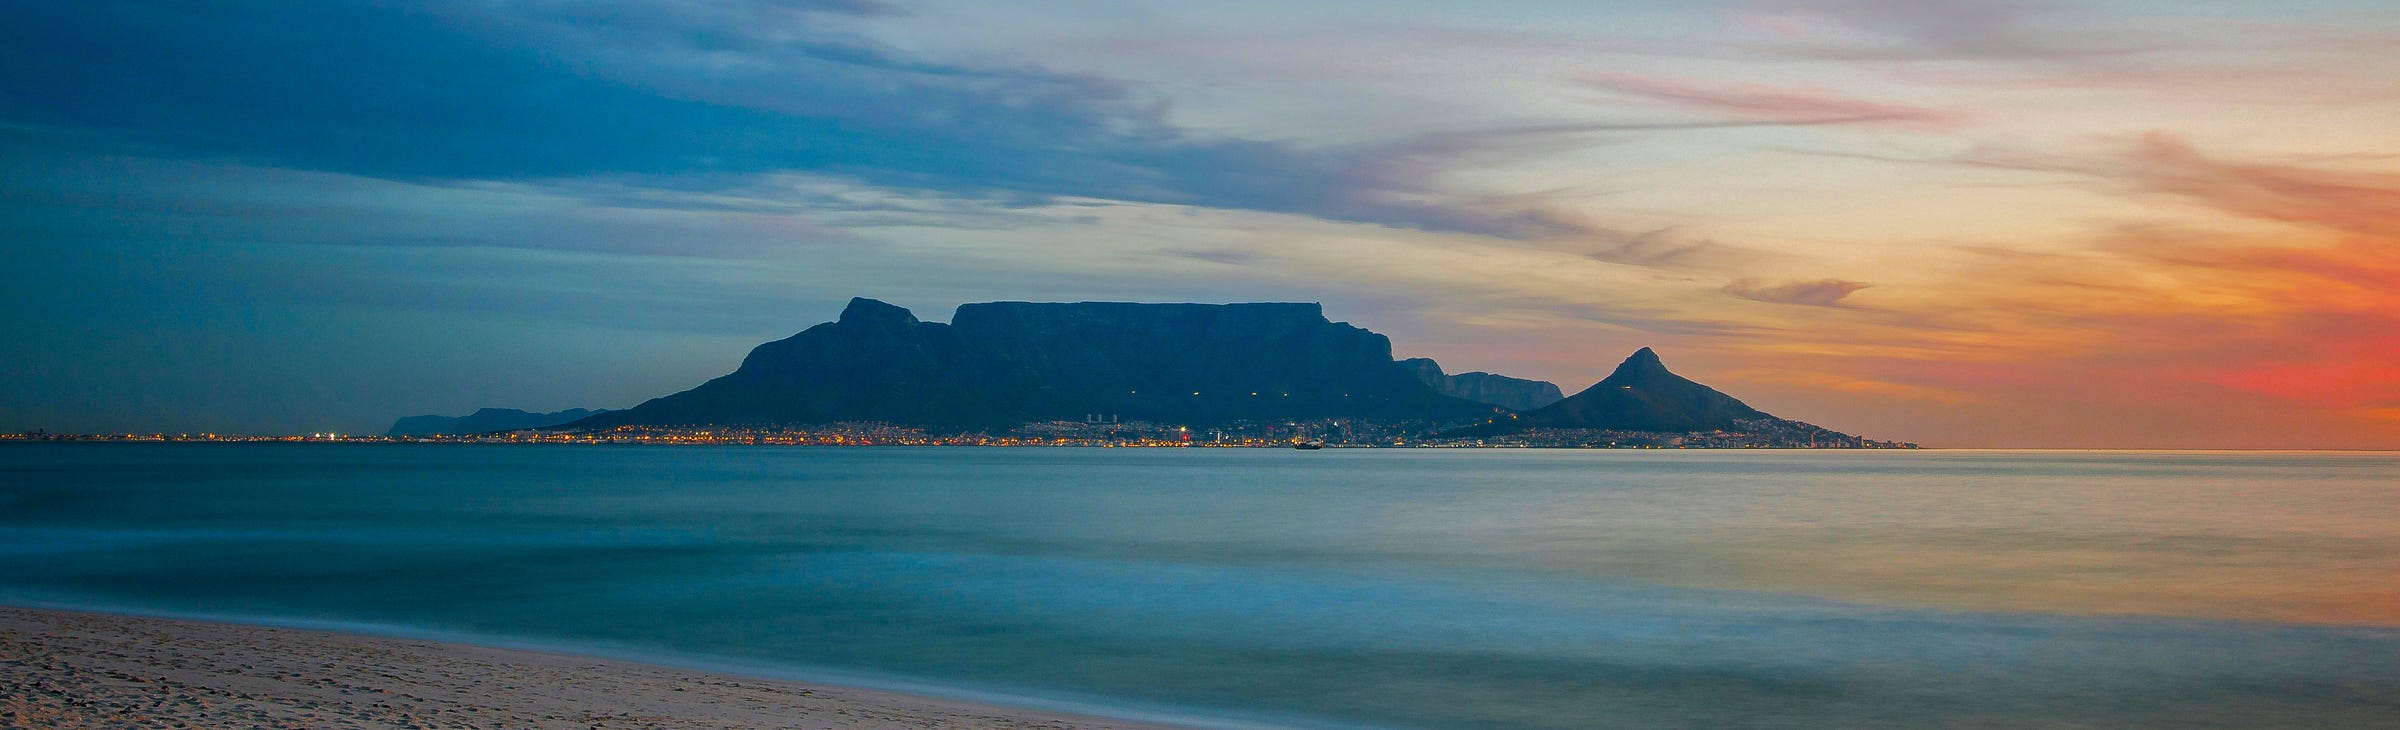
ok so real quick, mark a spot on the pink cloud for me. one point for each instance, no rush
(1771, 103)
(1821, 293)
(2363, 203)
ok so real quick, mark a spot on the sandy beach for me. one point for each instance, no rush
(80, 670)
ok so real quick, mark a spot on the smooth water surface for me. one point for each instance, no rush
(1390, 588)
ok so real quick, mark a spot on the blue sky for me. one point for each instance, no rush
(1915, 219)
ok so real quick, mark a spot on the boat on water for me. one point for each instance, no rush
(1308, 444)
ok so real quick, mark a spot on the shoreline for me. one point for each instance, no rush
(80, 668)
(4, 441)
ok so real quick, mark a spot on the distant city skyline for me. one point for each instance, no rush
(1975, 223)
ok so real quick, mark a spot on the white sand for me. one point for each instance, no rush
(79, 670)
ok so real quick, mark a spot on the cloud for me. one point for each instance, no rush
(2306, 323)
(1225, 256)
(2306, 53)
(2362, 203)
(1656, 247)
(72, 197)
(684, 96)
(1820, 293)
(2182, 336)
(1931, 30)
(1774, 104)
(1390, 183)
(1853, 384)
(2161, 163)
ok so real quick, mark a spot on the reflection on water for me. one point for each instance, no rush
(1399, 588)
(2307, 538)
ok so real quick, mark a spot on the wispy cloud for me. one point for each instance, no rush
(76, 197)
(1656, 247)
(1772, 104)
(2156, 309)
(1932, 30)
(687, 95)
(1225, 256)
(2289, 313)
(2161, 163)
(2358, 202)
(1820, 293)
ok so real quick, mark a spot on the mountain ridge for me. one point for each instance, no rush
(1252, 370)
(997, 364)
(1641, 394)
(1516, 394)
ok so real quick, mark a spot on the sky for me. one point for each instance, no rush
(1969, 223)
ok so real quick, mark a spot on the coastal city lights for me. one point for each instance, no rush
(1133, 434)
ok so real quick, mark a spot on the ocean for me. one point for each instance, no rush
(1277, 588)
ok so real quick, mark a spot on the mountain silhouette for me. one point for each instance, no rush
(1642, 395)
(1516, 394)
(999, 364)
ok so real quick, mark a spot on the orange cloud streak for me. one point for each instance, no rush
(2286, 338)
(1773, 104)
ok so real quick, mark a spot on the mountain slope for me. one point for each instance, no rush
(1642, 395)
(1516, 394)
(1193, 363)
(1003, 363)
(875, 363)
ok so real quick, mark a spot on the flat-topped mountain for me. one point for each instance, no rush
(1193, 363)
(999, 364)
(1277, 367)
(876, 363)
(1642, 395)
(1516, 394)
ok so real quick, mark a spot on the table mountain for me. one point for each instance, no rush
(875, 363)
(998, 364)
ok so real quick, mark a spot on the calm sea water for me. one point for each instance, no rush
(1387, 588)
